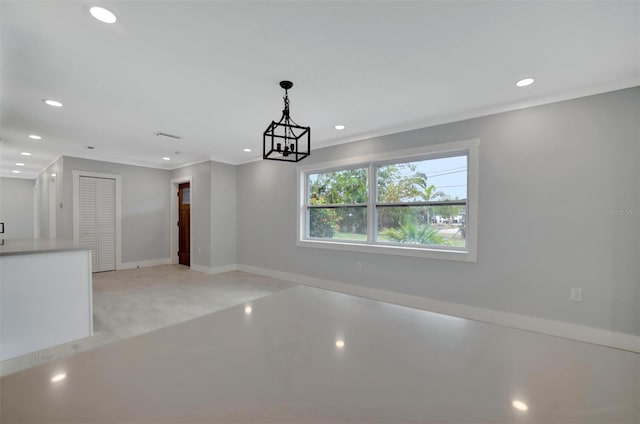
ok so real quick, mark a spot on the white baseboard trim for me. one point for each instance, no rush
(215, 269)
(144, 264)
(539, 325)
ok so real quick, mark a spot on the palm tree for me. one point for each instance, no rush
(409, 233)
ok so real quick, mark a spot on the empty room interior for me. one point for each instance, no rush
(319, 211)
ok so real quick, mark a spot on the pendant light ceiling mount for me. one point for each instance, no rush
(286, 85)
(285, 140)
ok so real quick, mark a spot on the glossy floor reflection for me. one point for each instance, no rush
(305, 355)
(136, 301)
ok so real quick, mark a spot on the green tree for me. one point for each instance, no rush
(398, 183)
(340, 187)
(401, 183)
(395, 184)
(322, 223)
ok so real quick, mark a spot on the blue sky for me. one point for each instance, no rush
(449, 175)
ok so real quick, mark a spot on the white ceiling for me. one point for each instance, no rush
(209, 71)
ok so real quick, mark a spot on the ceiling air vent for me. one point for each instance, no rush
(163, 134)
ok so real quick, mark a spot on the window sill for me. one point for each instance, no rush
(451, 255)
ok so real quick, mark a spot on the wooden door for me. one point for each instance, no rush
(184, 226)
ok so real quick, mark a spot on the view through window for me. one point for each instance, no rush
(337, 204)
(417, 202)
(422, 202)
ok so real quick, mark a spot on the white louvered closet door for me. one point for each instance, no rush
(106, 224)
(97, 221)
(89, 216)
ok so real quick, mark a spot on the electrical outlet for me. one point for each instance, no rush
(358, 266)
(576, 294)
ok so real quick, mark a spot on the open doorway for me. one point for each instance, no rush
(181, 206)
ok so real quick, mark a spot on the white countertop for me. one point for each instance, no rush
(29, 246)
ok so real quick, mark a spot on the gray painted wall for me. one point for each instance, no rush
(548, 176)
(200, 211)
(145, 207)
(16, 207)
(42, 189)
(43, 185)
(213, 212)
(223, 214)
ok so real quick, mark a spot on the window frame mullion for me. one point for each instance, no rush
(372, 213)
(336, 205)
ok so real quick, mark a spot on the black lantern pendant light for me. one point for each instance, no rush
(285, 140)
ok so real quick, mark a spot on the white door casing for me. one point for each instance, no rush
(52, 207)
(106, 225)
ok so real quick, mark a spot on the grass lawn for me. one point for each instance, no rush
(349, 236)
(451, 238)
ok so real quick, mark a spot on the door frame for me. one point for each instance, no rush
(118, 200)
(36, 209)
(173, 218)
(52, 187)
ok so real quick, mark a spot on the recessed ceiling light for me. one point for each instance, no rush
(58, 377)
(248, 310)
(35, 137)
(246, 150)
(519, 405)
(166, 158)
(19, 164)
(524, 82)
(53, 175)
(339, 127)
(103, 15)
(15, 171)
(25, 153)
(340, 343)
(53, 103)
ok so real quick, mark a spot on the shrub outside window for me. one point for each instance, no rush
(420, 202)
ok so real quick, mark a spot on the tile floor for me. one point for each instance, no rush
(305, 355)
(133, 302)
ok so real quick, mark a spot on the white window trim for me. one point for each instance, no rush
(118, 208)
(468, 254)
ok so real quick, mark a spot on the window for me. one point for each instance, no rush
(337, 204)
(186, 196)
(420, 202)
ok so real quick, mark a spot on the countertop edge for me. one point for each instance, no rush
(40, 251)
